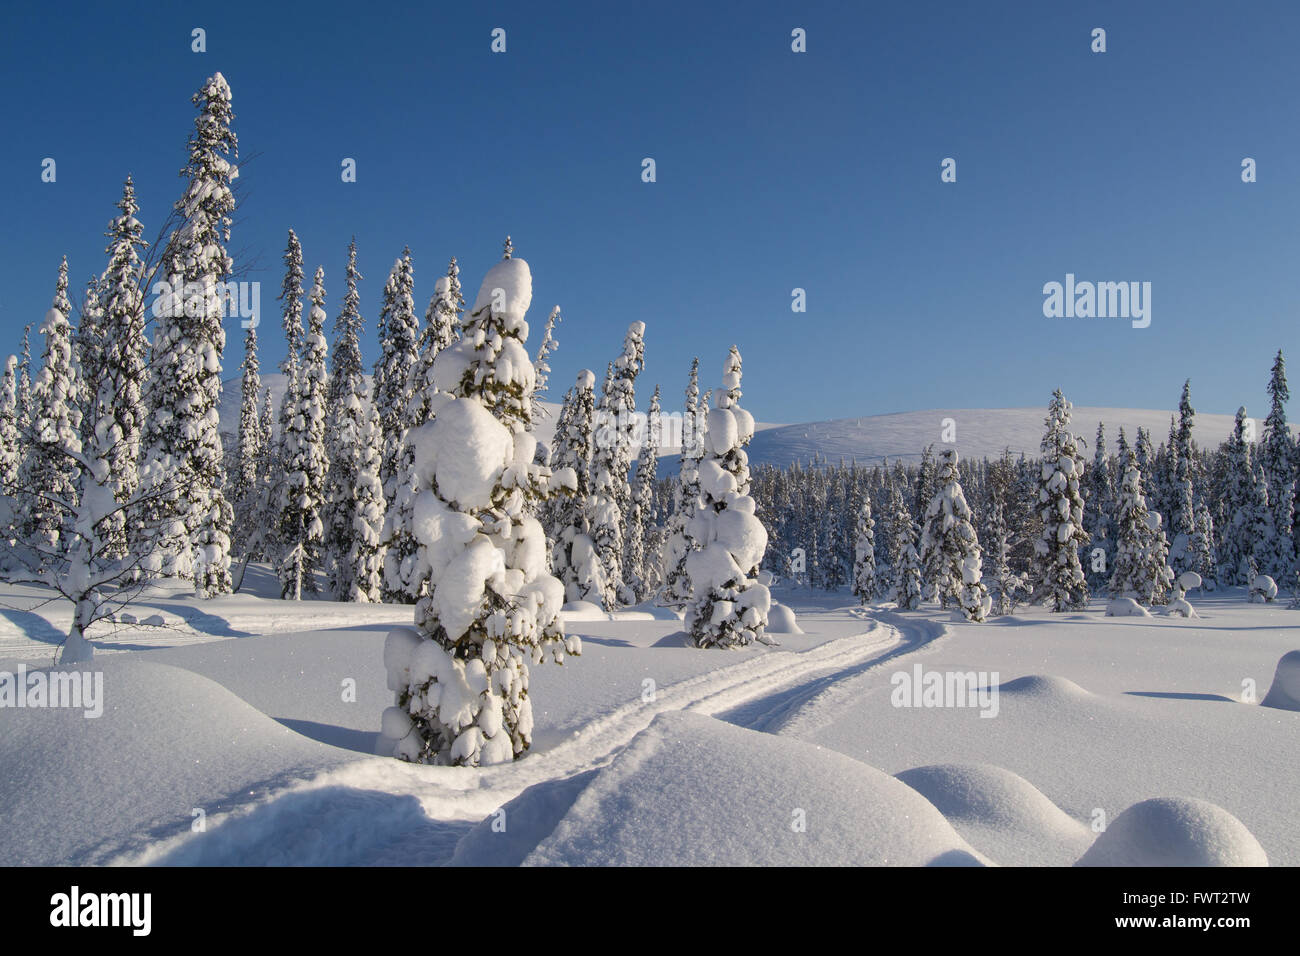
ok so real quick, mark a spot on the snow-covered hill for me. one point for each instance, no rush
(980, 432)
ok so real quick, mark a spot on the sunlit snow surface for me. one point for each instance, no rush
(243, 733)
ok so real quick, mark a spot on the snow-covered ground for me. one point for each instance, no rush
(244, 731)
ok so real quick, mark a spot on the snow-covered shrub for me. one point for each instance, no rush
(1263, 589)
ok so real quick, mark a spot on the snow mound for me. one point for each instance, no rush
(1175, 831)
(990, 806)
(781, 620)
(1045, 688)
(662, 800)
(583, 611)
(169, 742)
(1180, 607)
(1126, 607)
(1284, 693)
(506, 837)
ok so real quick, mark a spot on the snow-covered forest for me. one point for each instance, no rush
(501, 523)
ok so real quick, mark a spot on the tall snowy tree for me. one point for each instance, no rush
(864, 564)
(950, 549)
(612, 460)
(366, 559)
(461, 676)
(1235, 542)
(123, 349)
(189, 337)
(1276, 456)
(641, 557)
(305, 462)
(441, 330)
(1057, 574)
(291, 294)
(1183, 512)
(244, 485)
(345, 422)
(729, 606)
(49, 472)
(399, 344)
(678, 543)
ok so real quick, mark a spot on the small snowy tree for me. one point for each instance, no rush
(1007, 585)
(864, 555)
(1057, 574)
(729, 606)
(950, 549)
(541, 366)
(1141, 569)
(573, 555)
(461, 676)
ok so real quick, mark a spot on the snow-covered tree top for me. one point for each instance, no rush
(508, 290)
(586, 379)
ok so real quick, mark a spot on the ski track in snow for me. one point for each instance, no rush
(386, 812)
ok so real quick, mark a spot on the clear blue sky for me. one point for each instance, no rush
(775, 170)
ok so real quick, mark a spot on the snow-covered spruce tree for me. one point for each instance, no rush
(1259, 526)
(306, 464)
(864, 555)
(50, 470)
(399, 352)
(1057, 574)
(25, 382)
(678, 545)
(461, 676)
(541, 365)
(366, 559)
(1007, 585)
(1183, 512)
(185, 382)
(400, 547)
(291, 294)
(344, 423)
(641, 559)
(950, 549)
(1098, 508)
(122, 361)
(904, 561)
(573, 554)
(1141, 570)
(1235, 543)
(729, 606)
(11, 454)
(612, 461)
(1276, 455)
(1203, 548)
(244, 482)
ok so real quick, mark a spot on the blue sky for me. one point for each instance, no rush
(775, 170)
